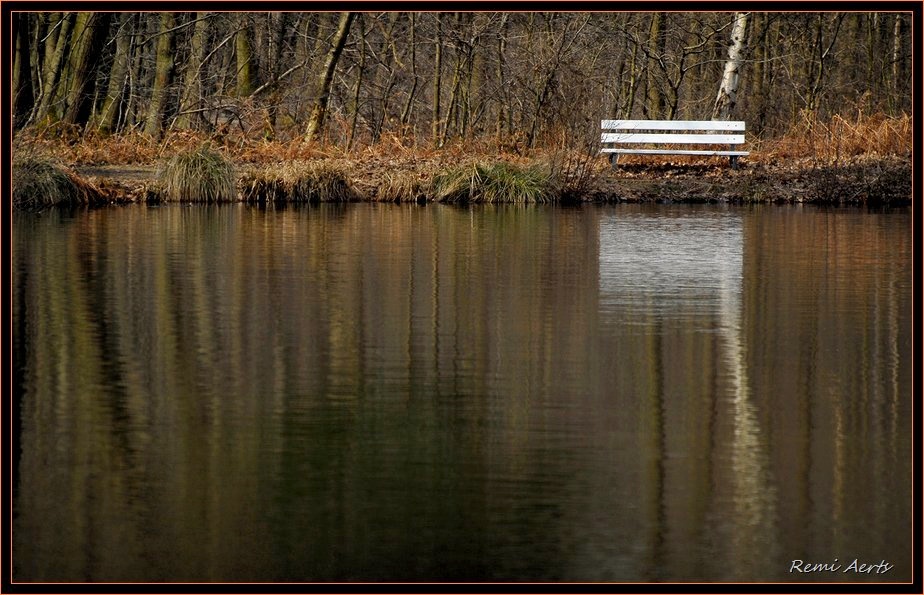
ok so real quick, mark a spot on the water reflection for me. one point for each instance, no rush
(689, 265)
(416, 393)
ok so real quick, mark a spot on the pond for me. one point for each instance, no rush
(626, 393)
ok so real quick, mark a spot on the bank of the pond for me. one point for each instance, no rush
(864, 180)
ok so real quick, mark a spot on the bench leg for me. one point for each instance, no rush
(733, 159)
(614, 160)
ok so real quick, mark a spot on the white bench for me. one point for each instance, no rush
(678, 132)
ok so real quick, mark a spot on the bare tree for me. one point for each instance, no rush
(514, 77)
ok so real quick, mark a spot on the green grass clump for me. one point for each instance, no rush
(298, 181)
(495, 183)
(198, 175)
(40, 183)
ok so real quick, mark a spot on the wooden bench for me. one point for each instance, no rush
(672, 132)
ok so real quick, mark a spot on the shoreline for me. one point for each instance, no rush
(859, 181)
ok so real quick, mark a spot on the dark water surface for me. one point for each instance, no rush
(372, 392)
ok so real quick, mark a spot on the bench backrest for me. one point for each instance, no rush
(678, 132)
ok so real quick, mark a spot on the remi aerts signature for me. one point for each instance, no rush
(836, 566)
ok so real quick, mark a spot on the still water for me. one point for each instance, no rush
(430, 393)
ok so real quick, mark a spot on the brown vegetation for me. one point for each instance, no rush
(298, 181)
(863, 159)
(841, 137)
(40, 182)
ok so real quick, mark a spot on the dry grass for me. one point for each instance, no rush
(41, 182)
(298, 181)
(495, 182)
(811, 137)
(198, 175)
(404, 186)
(842, 137)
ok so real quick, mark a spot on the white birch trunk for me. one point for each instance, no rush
(728, 90)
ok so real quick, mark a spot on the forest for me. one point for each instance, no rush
(501, 82)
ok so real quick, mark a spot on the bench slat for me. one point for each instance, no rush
(731, 125)
(697, 139)
(675, 152)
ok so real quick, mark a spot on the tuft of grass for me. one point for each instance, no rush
(40, 183)
(298, 181)
(497, 182)
(403, 186)
(198, 175)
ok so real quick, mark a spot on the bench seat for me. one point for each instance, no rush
(675, 152)
(673, 132)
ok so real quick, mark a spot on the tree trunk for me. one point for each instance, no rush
(437, 79)
(633, 84)
(499, 74)
(756, 79)
(244, 55)
(453, 115)
(895, 100)
(359, 83)
(728, 90)
(319, 111)
(48, 37)
(384, 79)
(277, 32)
(817, 80)
(89, 37)
(162, 74)
(474, 84)
(106, 119)
(134, 117)
(48, 34)
(656, 41)
(53, 69)
(277, 24)
(36, 45)
(22, 67)
(192, 79)
(408, 105)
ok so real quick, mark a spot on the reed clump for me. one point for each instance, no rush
(198, 175)
(298, 181)
(39, 183)
(404, 186)
(497, 182)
